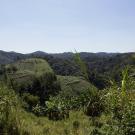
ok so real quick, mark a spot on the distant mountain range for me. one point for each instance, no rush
(9, 57)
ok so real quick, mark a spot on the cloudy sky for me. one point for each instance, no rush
(64, 25)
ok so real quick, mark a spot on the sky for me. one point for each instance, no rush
(65, 25)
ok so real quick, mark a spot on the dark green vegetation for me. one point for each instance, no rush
(59, 94)
(101, 67)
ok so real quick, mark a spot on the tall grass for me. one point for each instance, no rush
(81, 64)
(14, 120)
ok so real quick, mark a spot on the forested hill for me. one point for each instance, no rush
(101, 66)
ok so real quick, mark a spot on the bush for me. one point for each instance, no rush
(30, 99)
(45, 86)
(95, 106)
(39, 110)
(8, 108)
(120, 104)
(56, 110)
(89, 101)
(121, 111)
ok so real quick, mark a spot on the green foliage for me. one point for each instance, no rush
(72, 85)
(26, 71)
(39, 110)
(120, 105)
(45, 86)
(75, 101)
(88, 100)
(109, 112)
(121, 110)
(9, 122)
(31, 100)
(124, 84)
(82, 65)
(33, 76)
(95, 106)
(15, 121)
(56, 109)
(99, 80)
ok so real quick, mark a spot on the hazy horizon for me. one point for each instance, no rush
(12, 51)
(56, 26)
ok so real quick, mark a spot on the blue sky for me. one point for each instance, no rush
(65, 25)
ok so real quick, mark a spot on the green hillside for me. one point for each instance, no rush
(33, 66)
(73, 84)
(32, 76)
(24, 71)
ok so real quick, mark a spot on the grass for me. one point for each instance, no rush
(29, 124)
(43, 126)
(33, 66)
(74, 84)
(27, 69)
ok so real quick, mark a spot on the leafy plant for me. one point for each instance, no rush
(124, 83)
(56, 110)
(121, 107)
(9, 123)
(31, 100)
(81, 64)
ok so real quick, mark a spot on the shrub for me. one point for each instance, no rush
(30, 99)
(89, 101)
(121, 111)
(8, 108)
(56, 110)
(38, 110)
(95, 105)
(45, 86)
(120, 105)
